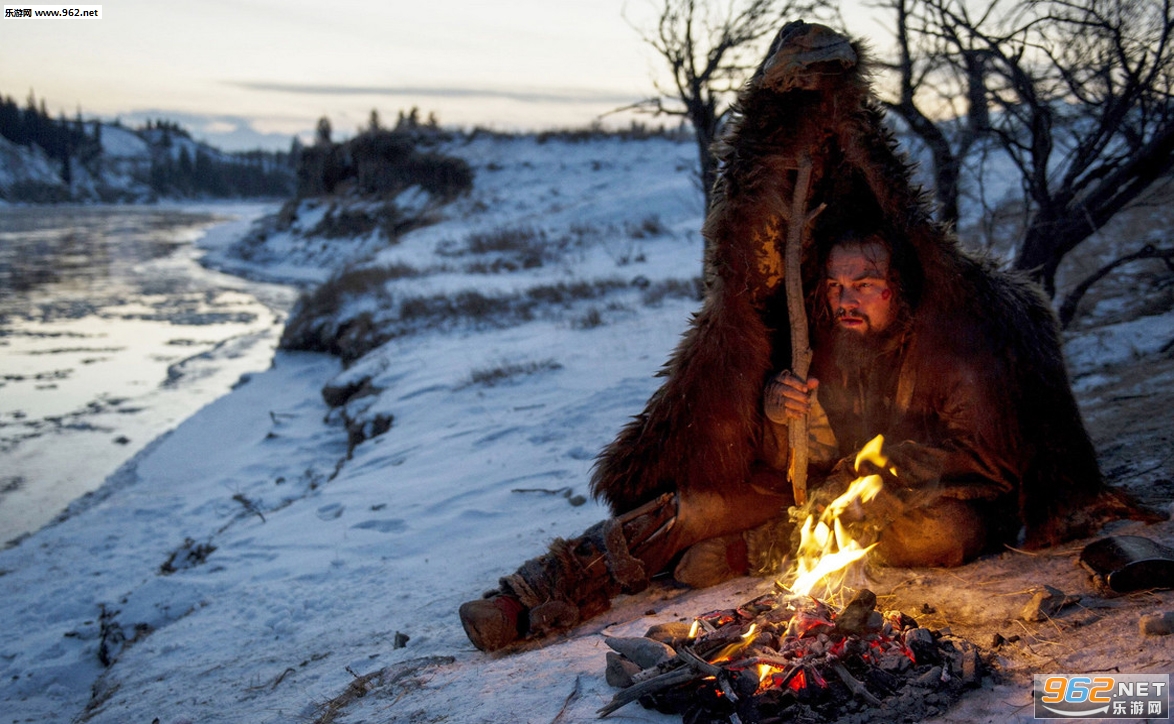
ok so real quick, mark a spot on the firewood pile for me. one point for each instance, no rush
(787, 658)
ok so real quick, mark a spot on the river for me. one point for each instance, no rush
(112, 333)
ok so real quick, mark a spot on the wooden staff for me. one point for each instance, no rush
(797, 312)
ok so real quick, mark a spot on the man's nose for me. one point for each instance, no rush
(849, 299)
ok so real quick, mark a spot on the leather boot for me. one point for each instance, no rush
(576, 579)
(495, 622)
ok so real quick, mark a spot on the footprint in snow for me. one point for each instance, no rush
(387, 525)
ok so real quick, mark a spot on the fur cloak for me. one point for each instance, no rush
(702, 430)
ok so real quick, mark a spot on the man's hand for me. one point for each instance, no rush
(787, 397)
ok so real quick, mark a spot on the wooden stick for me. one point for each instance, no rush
(854, 684)
(797, 312)
(651, 686)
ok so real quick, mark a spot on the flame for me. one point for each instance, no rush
(729, 651)
(826, 549)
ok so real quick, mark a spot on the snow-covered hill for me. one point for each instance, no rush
(275, 559)
(122, 171)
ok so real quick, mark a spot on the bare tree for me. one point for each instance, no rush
(1079, 97)
(938, 74)
(711, 48)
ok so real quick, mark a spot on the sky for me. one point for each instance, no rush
(249, 73)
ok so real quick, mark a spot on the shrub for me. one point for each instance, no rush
(311, 324)
(381, 163)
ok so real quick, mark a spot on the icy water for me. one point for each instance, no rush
(111, 333)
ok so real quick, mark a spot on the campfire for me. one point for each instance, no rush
(794, 654)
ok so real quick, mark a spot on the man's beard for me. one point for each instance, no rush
(855, 352)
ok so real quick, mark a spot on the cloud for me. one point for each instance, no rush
(552, 95)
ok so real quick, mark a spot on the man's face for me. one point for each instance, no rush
(858, 290)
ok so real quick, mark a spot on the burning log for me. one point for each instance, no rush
(786, 657)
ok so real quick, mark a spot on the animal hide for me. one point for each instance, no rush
(702, 429)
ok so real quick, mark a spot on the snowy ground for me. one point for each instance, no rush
(243, 568)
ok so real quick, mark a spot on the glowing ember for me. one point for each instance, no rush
(826, 550)
(782, 657)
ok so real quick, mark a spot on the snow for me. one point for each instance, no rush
(21, 164)
(322, 560)
(1120, 342)
(119, 142)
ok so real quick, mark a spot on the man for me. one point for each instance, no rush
(954, 466)
(957, 364)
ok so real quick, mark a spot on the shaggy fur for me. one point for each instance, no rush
(701, 430)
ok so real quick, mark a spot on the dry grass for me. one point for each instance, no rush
(493, 376)
(648, 227)
(656, 293)
(507, 249)
(318, 322)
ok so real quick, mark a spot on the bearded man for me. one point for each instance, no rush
(957, 465)
(956, 363)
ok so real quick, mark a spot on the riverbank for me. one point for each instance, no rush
(253, 566)
(112, 332)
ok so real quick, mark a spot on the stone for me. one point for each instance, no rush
(1046, 603)
(644, 652)
(619, 671)
(672, 633)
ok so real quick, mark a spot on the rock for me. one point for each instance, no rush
(1046, 602)
(337, 393)
(672, 633)
(644, 652)
(1157, 624)
(619, 671)
(360, 430)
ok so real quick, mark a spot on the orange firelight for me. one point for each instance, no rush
(826, 550)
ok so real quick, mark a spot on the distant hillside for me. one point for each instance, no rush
(47, 160)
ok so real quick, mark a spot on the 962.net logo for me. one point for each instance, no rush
(1102, 696)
